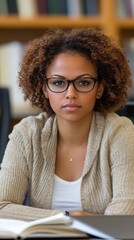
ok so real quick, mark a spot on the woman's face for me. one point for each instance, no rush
(72, 105)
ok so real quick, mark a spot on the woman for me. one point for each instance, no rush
(77, 155)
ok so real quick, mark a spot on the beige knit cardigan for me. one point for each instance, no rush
(29, 164)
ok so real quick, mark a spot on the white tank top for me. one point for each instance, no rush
(66, 195)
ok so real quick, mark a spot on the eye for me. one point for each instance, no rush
(57, 82)
(85, 82)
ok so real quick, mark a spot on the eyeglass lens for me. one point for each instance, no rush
(57, 84)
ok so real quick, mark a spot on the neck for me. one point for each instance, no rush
(72, 133)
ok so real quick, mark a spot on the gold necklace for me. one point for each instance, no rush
(80, 149)
(70, 159)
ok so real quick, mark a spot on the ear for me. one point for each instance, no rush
(44, 89)
(100, 90)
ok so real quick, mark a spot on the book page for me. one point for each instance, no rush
(57, 225)
(6, 234)
(18, 226)
(12, 226)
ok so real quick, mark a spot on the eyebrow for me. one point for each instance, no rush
(82, 75)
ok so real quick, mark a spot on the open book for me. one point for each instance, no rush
(57, 226)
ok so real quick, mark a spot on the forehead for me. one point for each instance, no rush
(71, 65)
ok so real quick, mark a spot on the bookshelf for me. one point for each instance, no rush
(15, 28)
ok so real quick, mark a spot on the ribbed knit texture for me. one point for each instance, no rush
(29, 164)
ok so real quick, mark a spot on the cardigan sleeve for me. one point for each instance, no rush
(15, 176)
(121, 145)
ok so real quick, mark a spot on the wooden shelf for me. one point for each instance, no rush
(107, 20)
(21, 29)
(125, 23)
(14, 22)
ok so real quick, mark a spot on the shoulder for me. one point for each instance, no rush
(117, 139)
(32, 125)
(114, 127)
(39, 119)
(32, 121)
(119, 133)
(113, 122)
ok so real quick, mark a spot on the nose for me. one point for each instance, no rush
(71, 92)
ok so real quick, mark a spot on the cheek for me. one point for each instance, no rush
(54, 101)
(89, 101)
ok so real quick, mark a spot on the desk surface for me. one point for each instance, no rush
(118, 227)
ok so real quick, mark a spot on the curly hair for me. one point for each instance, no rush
(103, 51)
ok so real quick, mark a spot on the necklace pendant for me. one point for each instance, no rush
(70, 159)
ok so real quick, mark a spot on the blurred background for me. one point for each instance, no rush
(24, 20)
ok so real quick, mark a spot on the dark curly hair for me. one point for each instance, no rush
(110, 60)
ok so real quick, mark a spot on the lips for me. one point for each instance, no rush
(71, 107)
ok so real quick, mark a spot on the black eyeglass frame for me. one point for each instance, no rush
(95, 79)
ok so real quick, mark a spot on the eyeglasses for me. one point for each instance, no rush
(59, 84)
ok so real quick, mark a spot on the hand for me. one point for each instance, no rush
(81, 213)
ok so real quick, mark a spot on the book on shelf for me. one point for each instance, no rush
(32, 8)
(125, 8)
(42, 6)
(131, 7)
(11, 55)
(56, 7)
(10, 58)
(12, 6)
(92, 7)
(72, 8)
(27, 8)
(3, 7)
(75, 8)
(57, 226)
(120, 9)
